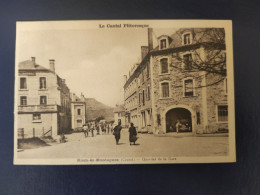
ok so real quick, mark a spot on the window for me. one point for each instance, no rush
(23, 84)
(198, 117)
(165, 89)
(79, 123)
(79, 111)
(142, 76)
(43, 100)
(143, 98)
(188, 87)
(187, 60)
(36, 116)
(139, 98)
(223, 113)
(163, 43)
(42, 83)
(187, 39)
(148, 70)
(159, 119)
(164, 65)
(225, 86)
(23, 100)
(148, 93)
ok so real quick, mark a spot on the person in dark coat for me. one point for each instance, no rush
(132, 134)
(117, 131)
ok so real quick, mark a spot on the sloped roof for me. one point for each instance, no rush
(29, 65)
(119, 108)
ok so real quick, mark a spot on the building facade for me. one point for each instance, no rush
(180, 85)
(138, 104)
(119, 115)
(43, 100)
(78, 111)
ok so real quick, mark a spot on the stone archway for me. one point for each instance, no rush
(178, 112)
(180, 117)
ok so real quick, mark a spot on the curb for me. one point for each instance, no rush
(193, 135)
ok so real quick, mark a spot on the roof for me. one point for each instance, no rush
(167, 36)
(174, 46)
(119, 108)
(29, 65)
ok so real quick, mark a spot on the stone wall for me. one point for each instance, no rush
(202, 103)
(216, 95)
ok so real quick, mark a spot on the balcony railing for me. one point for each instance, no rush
(38, 108)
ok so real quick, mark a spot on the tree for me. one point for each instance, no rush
(207, 53)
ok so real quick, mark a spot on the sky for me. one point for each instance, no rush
(92, 60)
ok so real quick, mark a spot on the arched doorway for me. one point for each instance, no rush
(178, 119)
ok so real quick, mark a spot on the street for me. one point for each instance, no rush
(147, 145)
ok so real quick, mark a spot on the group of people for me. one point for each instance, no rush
(132, 133)
(180, 126)
(108, 128)
(99, 128)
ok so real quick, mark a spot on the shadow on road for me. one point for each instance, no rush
(135, 144)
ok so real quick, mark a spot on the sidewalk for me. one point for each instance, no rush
(191, 135)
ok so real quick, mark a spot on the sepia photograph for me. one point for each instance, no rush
(124, 92)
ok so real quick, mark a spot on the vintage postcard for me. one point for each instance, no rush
(124, 92)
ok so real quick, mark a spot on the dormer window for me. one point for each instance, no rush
(187, 38)
(164, 41)
(163, 44)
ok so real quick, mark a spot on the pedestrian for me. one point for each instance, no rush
(132, 134)
(117, 131)
(92, 129)
(62, 138)
(111, 128)
(85, 130)
(98, 129)
(102, 128)
(108, 128)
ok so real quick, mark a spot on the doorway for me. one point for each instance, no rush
(178, 119)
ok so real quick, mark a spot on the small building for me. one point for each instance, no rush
(119, 115)
(78, 111)
(43, 100)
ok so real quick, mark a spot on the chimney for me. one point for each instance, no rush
(82, 97)
(150, 39)
(144, 51)
(73, 97)
(33, 60)
(52, 65)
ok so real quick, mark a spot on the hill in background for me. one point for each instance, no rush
(95, 109)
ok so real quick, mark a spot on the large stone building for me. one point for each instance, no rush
(180, 85)
(78, 111)
(43, 100)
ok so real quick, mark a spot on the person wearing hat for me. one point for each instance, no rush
(85, 130)
(132, 134)
(117, 131)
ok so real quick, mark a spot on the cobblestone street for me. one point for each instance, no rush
(147, 146)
